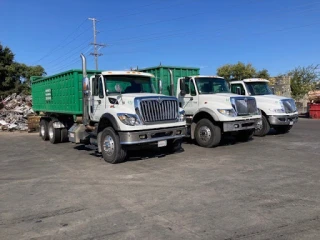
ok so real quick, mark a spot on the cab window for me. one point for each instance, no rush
(234, 89)
(190, 87)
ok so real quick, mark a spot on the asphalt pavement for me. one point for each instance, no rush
(267, 188)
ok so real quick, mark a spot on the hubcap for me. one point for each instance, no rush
(42, 130)
(259, 125)
(108, 145)
(51, 132)
(205, 133)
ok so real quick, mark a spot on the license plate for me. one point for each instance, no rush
(71, 135)
(291, 123)
(162, 143)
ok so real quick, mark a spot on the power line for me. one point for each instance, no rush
(96, 54)
(74, 60)
(85, 43)
(59, 45)
(141, 12)
(165, 35)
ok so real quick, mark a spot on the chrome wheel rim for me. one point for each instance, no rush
(259, 125)
(42, 130)
(205, 133)
(51, 132)
(108, 145)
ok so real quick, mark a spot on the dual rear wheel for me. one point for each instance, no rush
(54, 135)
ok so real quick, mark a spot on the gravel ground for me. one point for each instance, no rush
(268, 188)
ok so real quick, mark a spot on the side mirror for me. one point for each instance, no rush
(160, 86)
(238, 90)
(272, 90)
(182, 87)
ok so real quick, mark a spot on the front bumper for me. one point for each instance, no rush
(141, 137)
(283, 119)
(239, 125)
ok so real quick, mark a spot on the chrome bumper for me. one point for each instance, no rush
(283, 119)
(140, 137)
(239, 125)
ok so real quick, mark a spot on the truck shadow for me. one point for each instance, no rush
(133, 155)
(225, 141)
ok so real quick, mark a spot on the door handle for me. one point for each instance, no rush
(99, 101)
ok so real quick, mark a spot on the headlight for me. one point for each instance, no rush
(181, 116)
(228, 112)
(129, 119)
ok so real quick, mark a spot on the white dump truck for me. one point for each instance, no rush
(211, 109)
(277, 112)
(114, 111)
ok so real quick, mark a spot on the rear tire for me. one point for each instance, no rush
(207, 134)
(263, 128)
(173, 145)
(44, 130)
(54, 133)
(282, 129)
(111, 149)
(245, 135)
(64, 135)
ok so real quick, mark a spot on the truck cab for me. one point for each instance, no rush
(278, 112)
(212, 110)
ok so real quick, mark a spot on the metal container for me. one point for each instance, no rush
(60, 93)
(314, 110)
(163, 73)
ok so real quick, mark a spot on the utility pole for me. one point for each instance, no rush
(95, 53)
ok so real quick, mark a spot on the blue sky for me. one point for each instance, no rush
(274, 34)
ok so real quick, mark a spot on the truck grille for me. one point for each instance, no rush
(289, 105)
(244, 105)
(157, 110)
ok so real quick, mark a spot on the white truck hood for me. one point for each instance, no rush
(268, 102)
(269, 98)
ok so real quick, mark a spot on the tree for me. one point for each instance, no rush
(240, 71)
(6, 62)
(303, 80)
(263, 74)
(14, 76)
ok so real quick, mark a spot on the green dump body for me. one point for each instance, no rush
(60, 93)
(161, 72)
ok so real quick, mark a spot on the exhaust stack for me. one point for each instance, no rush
(171, 83)
(85, 91)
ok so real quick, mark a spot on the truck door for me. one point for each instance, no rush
(189, 102)
(98, 101)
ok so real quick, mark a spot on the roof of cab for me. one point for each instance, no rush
(205, 76)
(255, 80)
(129, 73)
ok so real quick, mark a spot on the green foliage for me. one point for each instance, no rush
(14, 76)
(303, 80)
(240, 71)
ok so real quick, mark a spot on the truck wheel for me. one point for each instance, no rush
(64, 135)
(207, 134)
(173, 145)
(112, 151)
(245, 135)
(44, 130)
(282, 129)
(263, 128)
(54, 133)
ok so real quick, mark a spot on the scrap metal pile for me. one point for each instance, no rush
(14, 111)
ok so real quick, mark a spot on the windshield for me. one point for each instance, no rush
(212, 85)
(128, 84)
(258, 88)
